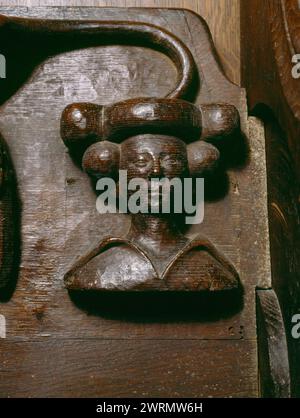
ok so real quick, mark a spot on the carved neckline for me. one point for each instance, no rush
(198, 241)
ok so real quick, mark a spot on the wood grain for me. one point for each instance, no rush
(84, 368)
(222, 17)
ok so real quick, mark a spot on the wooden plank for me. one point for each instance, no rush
(97, 368)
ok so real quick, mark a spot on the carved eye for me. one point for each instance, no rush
(172, 161)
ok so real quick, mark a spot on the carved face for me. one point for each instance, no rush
(148, 157)
(154, 157)
(151, 156)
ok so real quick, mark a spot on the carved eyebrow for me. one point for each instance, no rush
(144, 152)
(176, 155)
(137, 153)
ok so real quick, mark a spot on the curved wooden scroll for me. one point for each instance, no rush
(104, 32)
(114, 31)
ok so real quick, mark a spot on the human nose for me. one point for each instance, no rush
(156, 168)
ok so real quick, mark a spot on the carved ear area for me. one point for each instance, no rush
(79, 125)
(219, 120)
(101, 159)
(203, 158)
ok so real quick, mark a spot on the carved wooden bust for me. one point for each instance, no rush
(155, 254)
